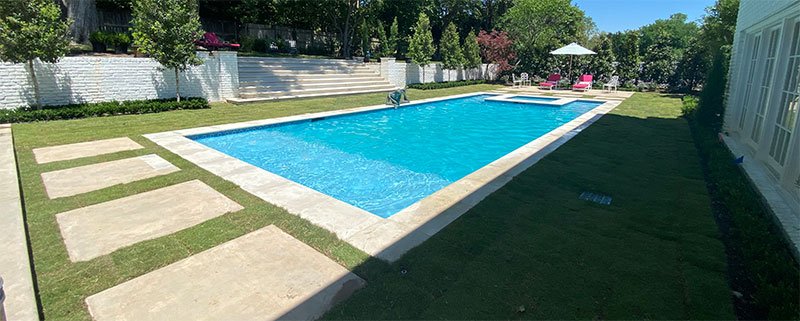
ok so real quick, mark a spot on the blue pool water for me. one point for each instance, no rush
(534, 99)
(383, 161)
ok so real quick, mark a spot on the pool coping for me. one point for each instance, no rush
(385, 238)
(556, 101)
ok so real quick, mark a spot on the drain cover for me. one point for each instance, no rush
(597, 198)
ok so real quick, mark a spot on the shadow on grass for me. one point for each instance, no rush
(532, 249)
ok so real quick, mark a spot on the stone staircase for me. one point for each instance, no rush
(262, 79)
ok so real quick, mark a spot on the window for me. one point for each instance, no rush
(789, 102)
(766, 84)
(751, 75)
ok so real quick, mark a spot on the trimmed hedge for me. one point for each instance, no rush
(111, 108)
(449, 84)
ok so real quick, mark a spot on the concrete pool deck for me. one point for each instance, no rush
(388, 238)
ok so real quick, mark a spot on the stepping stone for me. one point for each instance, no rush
(87, 149)
(83, 179)
(264, 275)
(103, 228)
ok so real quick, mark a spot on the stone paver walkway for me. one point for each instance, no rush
(264, 275)
(83, 179)
(15, 268)
(100, 229)
(87, 149)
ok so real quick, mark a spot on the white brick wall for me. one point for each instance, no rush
(401, 73)
(436, 73)
(95, 79)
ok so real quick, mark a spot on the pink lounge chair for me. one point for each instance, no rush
(210, 41)
(552, 82)
(584, 83)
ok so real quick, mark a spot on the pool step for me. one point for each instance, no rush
(280, 78)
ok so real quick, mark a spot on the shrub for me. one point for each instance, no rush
(247, 43)
(111, 108)
(767, 263)
(449, 84)
(712, 98)
(689, 105)
(261, 45)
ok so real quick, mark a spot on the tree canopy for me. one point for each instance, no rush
(420, 48)
(31, 29)
(450, 47)
(538, 27)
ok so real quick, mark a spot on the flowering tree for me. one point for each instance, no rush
(497, 48)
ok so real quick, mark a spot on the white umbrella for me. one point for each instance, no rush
(572, 49)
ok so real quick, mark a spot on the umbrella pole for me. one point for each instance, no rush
(570, 68)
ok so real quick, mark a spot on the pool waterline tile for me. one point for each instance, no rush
(405, 229)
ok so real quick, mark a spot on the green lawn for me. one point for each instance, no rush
(654, 253)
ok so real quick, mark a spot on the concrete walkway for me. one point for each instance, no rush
(86, 149)
(264, 275)
(15, 269)
(84, 179)
(100, 229)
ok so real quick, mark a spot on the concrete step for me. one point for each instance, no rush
(321, 90)
(289, 72)
(304, 85)
(238, 101)
(308, 80)
(267, 60)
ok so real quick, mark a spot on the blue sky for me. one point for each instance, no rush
(618, 15)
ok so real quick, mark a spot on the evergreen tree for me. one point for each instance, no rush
(602, 64)
(626, 50)
(660, 61)
(420, 47)
(386, 50)
(392, 41)
(712, 98)
(472, 52)
(166, 30)
(31, 29)
(450, 48)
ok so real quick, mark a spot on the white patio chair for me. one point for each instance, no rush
(612, 84)
(516, 82)
(525, 79)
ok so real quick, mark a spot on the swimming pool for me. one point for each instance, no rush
(383, 161)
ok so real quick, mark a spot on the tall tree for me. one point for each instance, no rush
(391, 43)
(450, 47)
(602, 64)
(83, 14)
(31, 29)
(660, 61)
(386, 50)
(493, 10)
(343, 15)
(166, 30)
(626, 50)
(692, 67)
(676, 32)
(472, 53)
(539, 27)
(420, 48)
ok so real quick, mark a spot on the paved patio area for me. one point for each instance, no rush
(100, 229)
(264, 275)
(595, 93)
(84, 179)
